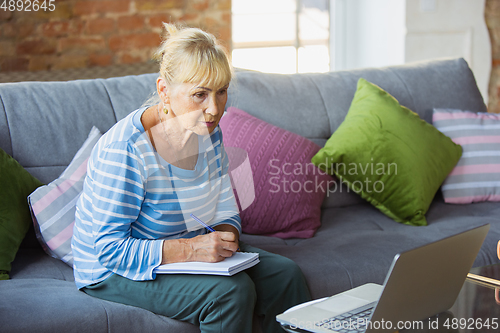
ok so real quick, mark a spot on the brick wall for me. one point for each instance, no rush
(492, 18)
(86, 33)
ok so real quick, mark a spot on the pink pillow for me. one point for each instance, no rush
(476, 177)
(289, 189)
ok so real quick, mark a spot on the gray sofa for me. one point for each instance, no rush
(43, 124)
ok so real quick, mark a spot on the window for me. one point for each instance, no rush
(281, 36)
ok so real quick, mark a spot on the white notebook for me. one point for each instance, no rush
(229, 266)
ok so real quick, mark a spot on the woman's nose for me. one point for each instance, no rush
(212, 107)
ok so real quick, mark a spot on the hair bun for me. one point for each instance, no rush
(170, 30)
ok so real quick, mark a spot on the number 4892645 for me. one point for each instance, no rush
(28, 5)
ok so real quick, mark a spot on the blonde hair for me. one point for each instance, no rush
(191, 55)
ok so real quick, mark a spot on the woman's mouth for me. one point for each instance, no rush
(209, 123)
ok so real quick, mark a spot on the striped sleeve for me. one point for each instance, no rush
(118, 192)
(226, 211)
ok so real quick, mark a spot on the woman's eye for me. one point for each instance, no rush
(222, 92)
(199, 95)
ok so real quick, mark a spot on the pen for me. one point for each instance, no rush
(209, 228)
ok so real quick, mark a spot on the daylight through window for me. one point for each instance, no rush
(281, 36)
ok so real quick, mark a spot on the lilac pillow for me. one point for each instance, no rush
(476, 177)
(53, 206)
(289, 189)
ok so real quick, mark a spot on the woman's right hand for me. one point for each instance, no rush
(212, 247)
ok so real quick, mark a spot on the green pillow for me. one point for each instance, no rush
(15, 218)
(388, 155)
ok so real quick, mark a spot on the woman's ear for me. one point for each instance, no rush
(162, 90)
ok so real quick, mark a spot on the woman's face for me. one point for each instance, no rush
(197, 107)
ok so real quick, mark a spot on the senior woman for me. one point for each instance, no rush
(145, 177)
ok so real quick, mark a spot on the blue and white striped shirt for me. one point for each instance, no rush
(133, 199)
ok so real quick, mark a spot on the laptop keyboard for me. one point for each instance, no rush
(350, 322)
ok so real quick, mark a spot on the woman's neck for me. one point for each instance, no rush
(175, 144)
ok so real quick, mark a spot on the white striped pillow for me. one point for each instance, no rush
(476, 177)
(53, 206)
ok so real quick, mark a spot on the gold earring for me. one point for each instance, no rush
(165, 109)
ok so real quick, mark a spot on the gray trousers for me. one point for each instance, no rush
(223, 304)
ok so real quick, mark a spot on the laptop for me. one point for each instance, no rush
(421, 283)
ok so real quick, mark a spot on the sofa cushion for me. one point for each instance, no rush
(340, 195)
(477, 174)
(284, 178)
(54, 205)
(356, 244)
(388, 155)
(48, 305)
(33, 263)
(15, 184)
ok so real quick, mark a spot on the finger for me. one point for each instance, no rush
(230, 246)
(217, 258)
(227, 236)
(226, 253)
